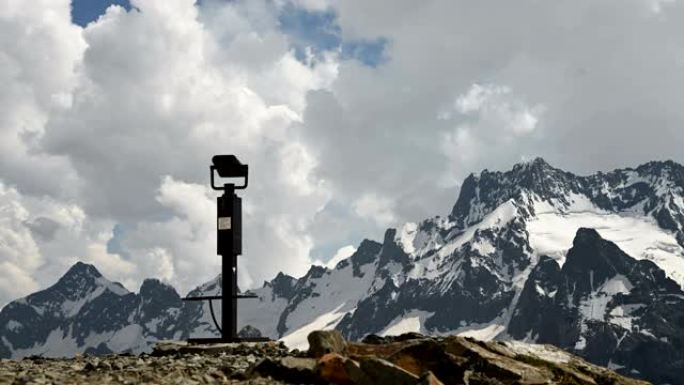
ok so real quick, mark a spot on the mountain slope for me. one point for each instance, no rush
(612, 309)
(86, 313)
(593, 264)
(470, 273)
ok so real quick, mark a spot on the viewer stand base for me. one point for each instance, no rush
(221, 340)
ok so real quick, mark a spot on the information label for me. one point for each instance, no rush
(224, 223)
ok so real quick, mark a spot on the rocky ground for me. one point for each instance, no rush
(409, 359)
(201, 366)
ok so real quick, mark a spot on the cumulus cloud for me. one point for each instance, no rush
(19, 253)
(494, 106)
(124, 120)
(107, 131)
(488, 118)
(341, 254)
(376, 208)
(464, 89)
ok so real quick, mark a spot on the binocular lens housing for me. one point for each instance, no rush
(228, 166)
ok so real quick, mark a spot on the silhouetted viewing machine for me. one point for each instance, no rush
(229, 246)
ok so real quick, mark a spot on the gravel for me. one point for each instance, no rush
(172, 368)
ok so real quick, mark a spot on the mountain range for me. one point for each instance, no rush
(592, 264)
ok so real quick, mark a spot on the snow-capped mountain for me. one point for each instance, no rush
(592, 264)
(86, 313)
(517, 259)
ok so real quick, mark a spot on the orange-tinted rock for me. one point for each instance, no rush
(333, 367)
(429, 356)
(380, 371)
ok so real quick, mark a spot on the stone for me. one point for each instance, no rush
(287, 369)
(499, 366)
(384, 350)
(322, 342)
(249, 331)
(379, 371)
(414, 361)
(429, 356)
(166, 347)
(374, 339)
(334, 368)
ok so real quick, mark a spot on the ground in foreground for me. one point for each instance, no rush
(409, 359)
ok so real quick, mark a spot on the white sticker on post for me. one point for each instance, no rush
(224, 223)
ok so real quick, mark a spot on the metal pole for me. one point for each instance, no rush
(228, 306)
(229, 246)
(234, 298)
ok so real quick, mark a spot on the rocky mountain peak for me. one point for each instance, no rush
(592, 260)
(534, 165)
(663, 168)
(81, 270)
(282, 285)
(81, 278)
(586, 236)
(153, 288)
(366, 253)
(391, 251)
(481, 194)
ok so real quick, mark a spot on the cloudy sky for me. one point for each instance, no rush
(354, 116)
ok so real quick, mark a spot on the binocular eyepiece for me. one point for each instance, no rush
(228, 166)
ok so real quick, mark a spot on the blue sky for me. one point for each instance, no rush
(85, 11)
(317, 30)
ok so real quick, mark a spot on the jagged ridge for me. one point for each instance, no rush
(514, 259)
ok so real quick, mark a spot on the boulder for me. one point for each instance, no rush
(295, 370)
(414, 359)
(429, 356)
(322, 342)
(339, 370)
(379, 371)
(249, 331)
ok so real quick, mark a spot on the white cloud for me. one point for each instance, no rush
(497, 107)
(115, 124)
(478, 97)
(40, 238)
(142, 94)
(495, 120)
(341, 254)
(377, 208)
(19, 253)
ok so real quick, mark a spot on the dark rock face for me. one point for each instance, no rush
(659, 186)
(391, 251)
(540, 314)
(303, 289)
(606, 307)
(364, 255)
(491, 189)
(283, 285)
(371, 314)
